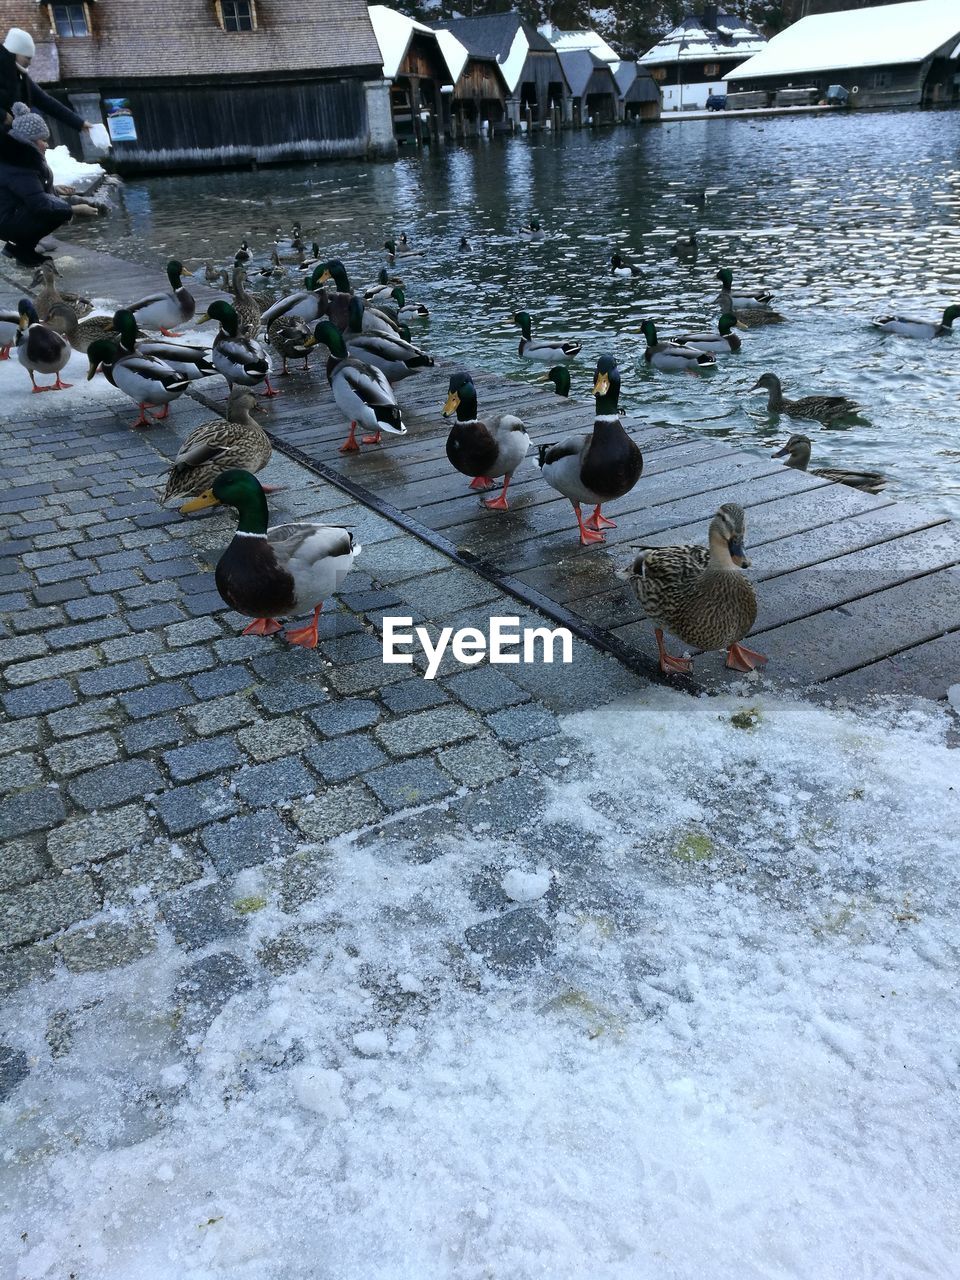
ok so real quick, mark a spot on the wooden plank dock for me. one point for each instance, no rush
(857, 594)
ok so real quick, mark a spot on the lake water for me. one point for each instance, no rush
(842, 217)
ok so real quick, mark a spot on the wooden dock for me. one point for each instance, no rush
(858, 594)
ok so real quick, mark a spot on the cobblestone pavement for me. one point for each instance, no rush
(149, 753)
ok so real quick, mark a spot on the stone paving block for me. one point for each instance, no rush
(45, 907)
(336, 811)
(203, 603)
(222, 681)
(103, 788)
(200, 916)
(524, 723)
(19, 769)
(246, 841)
(86, 718)
(193, 631)
(115, 678)
(77, 754)
(344, 758)
(27, 811)
(98, 583)
(592, 679)
(414, 695)
(512, 942)
(221, 713)
(269, 739)
(414, 782)
(37, 619)
(60, 592)
(161, 867)
(106, 946)
(291, 661)
(486, 688)
(25, 965)
(151, 594)
(51, 666)
(86, 632)
(344, 717)
(32, 645)
(206, 987)
(154, 616)
(182, 662)
(15, 734)
(161, 731)
(185, 764)
(446, 591)
(366, 677)
(186, 809)
(406, 557)
(157, 698)
(265, 785)
(90, 607)
(238, 648)
(125, 647)
(97, 836)
(477, 762)
(426, 730)
(352, 648)
(22, 861)
(14, 1069)
(302, 876)
(292, 694)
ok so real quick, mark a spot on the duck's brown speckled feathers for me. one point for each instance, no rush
(251, 580)
(613, 463)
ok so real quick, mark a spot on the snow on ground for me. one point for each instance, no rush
(740, 1062)
(19, 399)
(67, 171)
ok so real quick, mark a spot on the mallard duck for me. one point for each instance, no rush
(395, 356)
(361, 390)
(382, 289)
(291, 247)
(244, 304)
(40, 349)
(79, 333)
(274, 269)
(545, 350)
(622, 269)
(361, 318)
(222, 444)
(288, 336)
(215, 275)
(407, 310)
(797, 452)
(724, 339)
(464, 245)
(820, 408)
(191, 360)
(595, 466)
(671, 355)
(699, 594)
(306, 304)
(243, 254)
(164, 310)
(49, 295)
(531, 230)
(145, 379)
(743, 300)
(483, 451)
(401, 250)
(559, 375)
(266, 573)
(9, 328)
(908, 327)
(240, 359)
(685, 246)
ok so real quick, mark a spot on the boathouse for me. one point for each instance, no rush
(896, 55)
(594, 94)
(537, 90)
(218, 82)
(478, 103)
(417, 72)
(638, 91)
(696, 58)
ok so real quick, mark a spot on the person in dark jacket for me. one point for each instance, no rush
(29, 210)
(16, 86)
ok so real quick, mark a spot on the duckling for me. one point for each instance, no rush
(219, 445)
(670, 355)
(288, 336)
(361, 390)
(596, 466)
(559, 375)
(245, 305)
(9, 328)
(190, 360)
(145, 379)
(820, 408)
(531, 230)
(797, 452)
(483, 451)
(79, 333)
(622, 269)
(723, 340)
(700, 595)
(685, 246)
(545, 350)
(164, 310)
(40, 349)
(742, 300)
(280, 571)
(49, 295)
(240, 359)
(909, 327)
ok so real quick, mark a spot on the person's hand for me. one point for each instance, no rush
(63, 191)
(86, 127)
(85, 211)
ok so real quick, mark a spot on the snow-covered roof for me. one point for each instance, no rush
(569, 41)
(627, 74)
(394, 31)
(691, 41)
(455, 54)
(579, 66)
(893, 33)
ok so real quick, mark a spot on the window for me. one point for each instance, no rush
(70, 19)
(238, 15)
(711, 69)
(659, 73)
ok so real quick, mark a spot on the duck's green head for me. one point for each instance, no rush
(534, 224)
(327, 333)
(951, 314)
(391, 247)
(559, 375)
(125, 323)
(383, 278)
(461, 397)
(175, 270)
(649, 331)
(404, 330)
(27, 313)
(240, 490)
(522, 318)
(102, 352)
(335, 270)
(225, 315)
(725, 276)
(606, 384)
(355, 314)
(726, 322)
(399, 297)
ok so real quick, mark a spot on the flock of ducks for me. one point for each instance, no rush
(697, 593)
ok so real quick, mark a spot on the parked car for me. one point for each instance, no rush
(716, 102)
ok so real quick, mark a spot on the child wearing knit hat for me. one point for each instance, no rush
(29, 209)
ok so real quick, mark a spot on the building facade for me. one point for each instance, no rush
(698, 56)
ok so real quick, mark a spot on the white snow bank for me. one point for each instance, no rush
(67, 171)
(740, 1060)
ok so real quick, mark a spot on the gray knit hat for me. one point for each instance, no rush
(27, 125)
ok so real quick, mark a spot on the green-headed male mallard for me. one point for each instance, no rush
(223, 444)
(559, 375)
(40, 349)
(797, 452)
(265, 572)
(743, 299)
(306, 304)
(531, 230)
(544, 350)
(395, 356)
(483, 450)
(699, 594)
(163, 311)
(361, 390)
(909, 327)
(241, 360)
(191, 360)
(818, 408)
(671, 355)
(595, 466)
(722, 340)
(145, 379)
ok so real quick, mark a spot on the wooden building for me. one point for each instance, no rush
(594, 93)
(417, 72)
(206, 83)
(478, 103)
(895, 55)
(639, 92)
(695, 59)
